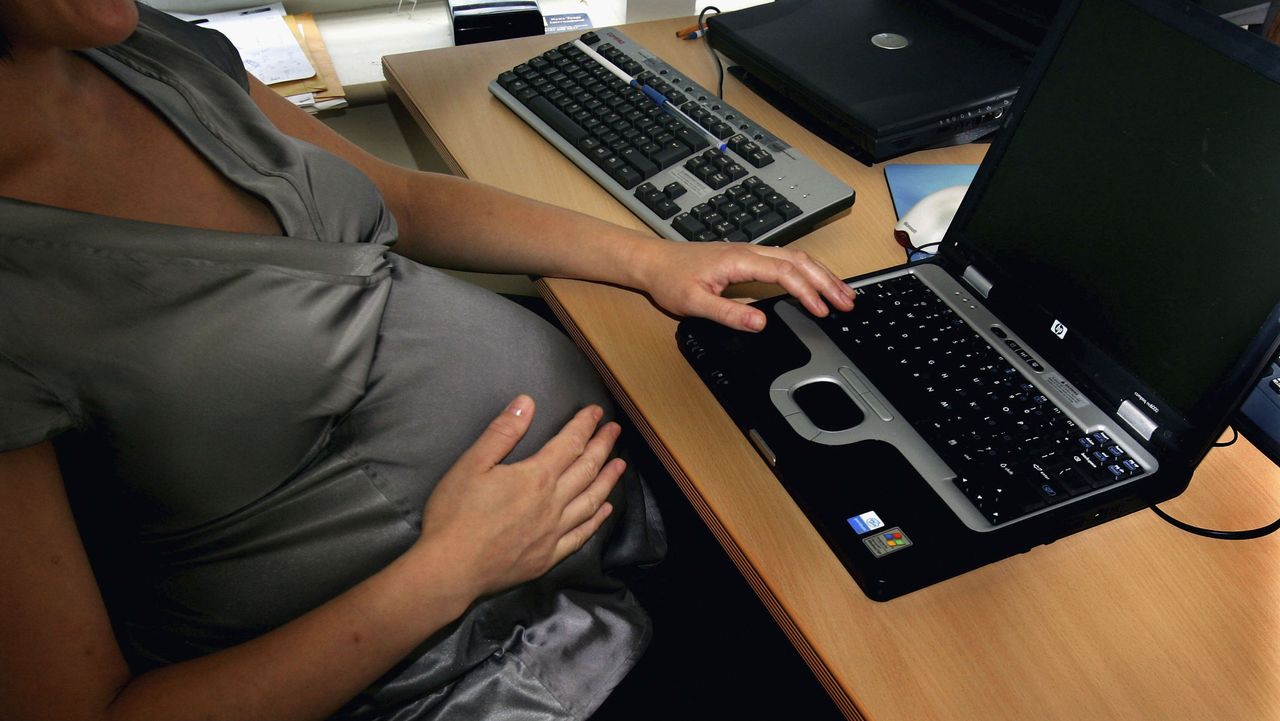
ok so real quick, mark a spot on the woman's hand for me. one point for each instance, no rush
(687, 279)
(507, 524)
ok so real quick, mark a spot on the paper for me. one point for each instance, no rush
(267, 46)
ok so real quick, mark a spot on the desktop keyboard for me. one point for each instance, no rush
(681, 159)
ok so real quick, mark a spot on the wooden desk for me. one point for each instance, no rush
(1131, 620)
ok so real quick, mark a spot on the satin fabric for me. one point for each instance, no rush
(249, 425)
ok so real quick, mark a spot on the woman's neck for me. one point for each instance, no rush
(49, 102)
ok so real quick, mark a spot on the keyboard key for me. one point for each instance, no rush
(648, 194)
(561, 123)
(636, 159)
(668, 154)
(625, 176)
(787, 210)
(665, 208)
(687, 226)
(762, 225)
(692, 138)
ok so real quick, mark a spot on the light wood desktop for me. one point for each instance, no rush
(1130, 620)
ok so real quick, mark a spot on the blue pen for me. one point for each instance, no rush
(649, 92)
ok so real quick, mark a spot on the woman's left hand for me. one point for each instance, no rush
(687, 279)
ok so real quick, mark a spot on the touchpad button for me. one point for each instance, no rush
(827, 405)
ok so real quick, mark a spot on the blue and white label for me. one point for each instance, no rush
(866, 522)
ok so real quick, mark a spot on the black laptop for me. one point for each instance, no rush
(1100, 306)
(879, 78)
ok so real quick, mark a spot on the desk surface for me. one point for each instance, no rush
(1130, 620)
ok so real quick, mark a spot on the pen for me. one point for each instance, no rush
(652, 94)
(265, 9)
(693, 32)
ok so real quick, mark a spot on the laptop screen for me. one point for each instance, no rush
(1140, 198)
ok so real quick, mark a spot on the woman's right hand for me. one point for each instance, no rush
(507, 524)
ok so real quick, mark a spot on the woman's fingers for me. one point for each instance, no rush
(591, 498)
(579, 474)
(497, 440)
(578, 537)
(806, 279)
(583, 485)
(568, 444)
(690, 280)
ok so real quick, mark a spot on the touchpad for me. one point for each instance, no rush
(827, 405)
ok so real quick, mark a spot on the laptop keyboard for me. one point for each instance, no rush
(684, 161)
(1013, 450)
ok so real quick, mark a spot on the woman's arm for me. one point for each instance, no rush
(455, 223)
(488, 526)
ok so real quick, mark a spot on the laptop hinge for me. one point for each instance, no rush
(977, 280)
(1137, 420)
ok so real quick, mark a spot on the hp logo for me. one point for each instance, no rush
(1059, 329)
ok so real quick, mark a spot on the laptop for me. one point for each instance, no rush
(1101, 304)
(879, 78)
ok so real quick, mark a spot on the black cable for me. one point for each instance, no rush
(702, 25)
(1258, 532)
(921, 248)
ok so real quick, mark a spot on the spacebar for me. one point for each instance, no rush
(559, 122)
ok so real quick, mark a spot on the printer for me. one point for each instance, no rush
(478, 21)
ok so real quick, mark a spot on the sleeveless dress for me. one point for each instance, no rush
(249, 425)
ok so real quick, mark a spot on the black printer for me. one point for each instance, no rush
(478, 21)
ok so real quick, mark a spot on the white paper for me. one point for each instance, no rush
(267, 46)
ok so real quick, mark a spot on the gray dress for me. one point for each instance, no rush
(250, 425)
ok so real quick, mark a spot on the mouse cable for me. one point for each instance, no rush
(1251, 533)
(702, 23)
(1235, 437)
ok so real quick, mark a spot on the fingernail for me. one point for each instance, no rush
(518, 406)
(755, 321)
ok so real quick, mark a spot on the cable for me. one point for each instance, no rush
(1258, 532)
(1234, 438)
(702, 25)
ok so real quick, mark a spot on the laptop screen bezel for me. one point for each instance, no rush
(1190, 430)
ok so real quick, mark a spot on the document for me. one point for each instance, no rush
(267, 46)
